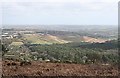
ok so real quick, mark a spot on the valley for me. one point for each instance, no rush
(55, 53)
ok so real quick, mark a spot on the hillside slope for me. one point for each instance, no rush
(58, 69)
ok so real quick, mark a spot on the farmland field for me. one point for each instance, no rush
(17, 43)
(43, 39)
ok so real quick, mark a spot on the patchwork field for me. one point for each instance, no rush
(50, 39)
(43, 39)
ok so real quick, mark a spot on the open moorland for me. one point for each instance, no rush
(12, 68)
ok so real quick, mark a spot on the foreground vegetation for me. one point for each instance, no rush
(83, 53)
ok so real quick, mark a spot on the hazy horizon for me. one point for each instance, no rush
(72, 28)
(59, 12)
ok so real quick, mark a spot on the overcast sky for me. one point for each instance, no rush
(59, 12)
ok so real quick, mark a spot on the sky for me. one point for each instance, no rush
(59, 12)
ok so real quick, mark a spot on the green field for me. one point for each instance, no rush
(17, 43)
(43, 39)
